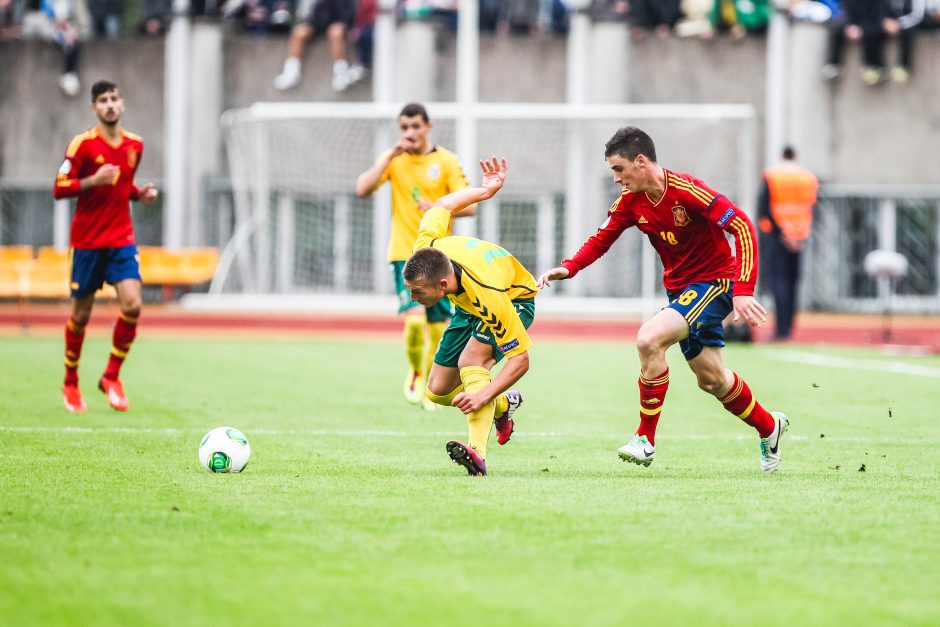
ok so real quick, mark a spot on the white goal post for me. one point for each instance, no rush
(298, 230)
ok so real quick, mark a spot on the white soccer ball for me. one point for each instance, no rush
(224, 450)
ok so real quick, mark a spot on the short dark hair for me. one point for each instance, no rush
(789, 153)
(412, 109)
(628, 142)
(102, 87)
(427, 264)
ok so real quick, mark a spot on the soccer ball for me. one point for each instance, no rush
(224, 450)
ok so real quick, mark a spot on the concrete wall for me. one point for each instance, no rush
(851, 133)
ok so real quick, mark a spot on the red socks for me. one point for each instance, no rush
(740, 402)
(125, 329)
(74, 336)
(652, 396)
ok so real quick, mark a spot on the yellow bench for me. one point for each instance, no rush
(47, 276)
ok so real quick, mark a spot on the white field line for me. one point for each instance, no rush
(829, 361)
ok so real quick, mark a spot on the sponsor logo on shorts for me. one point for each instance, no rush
(723, 220)
(508, 346)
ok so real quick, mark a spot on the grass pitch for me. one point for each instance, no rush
(351, 513)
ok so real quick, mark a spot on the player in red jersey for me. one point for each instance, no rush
(686, 222)
(99, 168)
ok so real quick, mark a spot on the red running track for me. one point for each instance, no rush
(921, 332)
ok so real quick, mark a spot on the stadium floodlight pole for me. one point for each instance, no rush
(176, 116)
(468, 78)
(383, 64)
(383, 92)
(777, 83)
(577, 93)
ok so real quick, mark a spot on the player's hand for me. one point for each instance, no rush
(469, 402)
(403, 145)
(148, 193)
(750, 310)
(107, 174)
(424, 205)
(494, 175)
(555, 274)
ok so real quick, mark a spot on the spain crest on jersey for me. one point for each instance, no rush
(679, 216)
(132, 158)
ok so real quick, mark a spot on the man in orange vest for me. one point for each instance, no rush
(785, 212)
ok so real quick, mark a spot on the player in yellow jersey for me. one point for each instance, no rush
(495, 299)
(419, 172)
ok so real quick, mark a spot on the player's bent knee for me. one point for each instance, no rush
(648, 343)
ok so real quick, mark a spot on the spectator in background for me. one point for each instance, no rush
(932, 14)
(695, 21)
(154, 17)
(907, 15)
(785, 214)
(363, 31)
(817, 11)
(489, 15)
(263, 16)
(610, 10)
(865, 20)
(657, 16)
(740, 17)
(335, 18)
(105, 18)
(9, 19)
(519, 17)
(43, 20)
(558, 16)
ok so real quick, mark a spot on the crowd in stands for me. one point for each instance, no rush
(872, 22)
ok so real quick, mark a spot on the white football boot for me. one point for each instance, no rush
(638, 450)
(770, 446)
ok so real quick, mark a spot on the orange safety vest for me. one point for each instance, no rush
(792, 196)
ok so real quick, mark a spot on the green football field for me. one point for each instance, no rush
(351, 513)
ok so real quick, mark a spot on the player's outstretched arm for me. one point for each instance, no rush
(494, 176)
(555, 274)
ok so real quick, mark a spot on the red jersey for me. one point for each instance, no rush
(103, 216)
(687, 228)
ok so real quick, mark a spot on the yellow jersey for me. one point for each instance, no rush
(490, 278)
(415, 178)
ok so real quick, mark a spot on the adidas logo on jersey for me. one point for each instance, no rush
(642, 220)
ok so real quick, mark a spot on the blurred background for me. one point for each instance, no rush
(256, 160)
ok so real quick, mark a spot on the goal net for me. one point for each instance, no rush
(298, 227)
